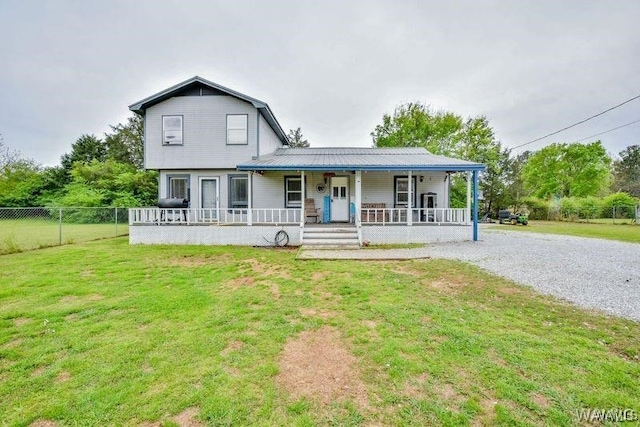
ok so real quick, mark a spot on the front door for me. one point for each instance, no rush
(340, 199)
(209, 195)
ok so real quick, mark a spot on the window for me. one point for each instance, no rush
(237, 129)
(238, 191)
(178, 187)
(401, 193)
(292, 192)
(172, 130)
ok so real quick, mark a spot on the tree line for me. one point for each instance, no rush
(564, 175)
(96, 172)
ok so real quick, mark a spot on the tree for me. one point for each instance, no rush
(7, 155)
(627, 171)
(126, 142)
(86, 149)
(296, 140)
(109, 183)
(20, 183)
(417, 125)
(446, 133)
(566, 170)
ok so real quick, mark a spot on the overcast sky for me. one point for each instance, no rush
(331, 67)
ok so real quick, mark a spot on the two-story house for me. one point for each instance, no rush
(225, 156)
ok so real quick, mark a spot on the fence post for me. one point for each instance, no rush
(60, 226)
(613, 215)
(116, 222)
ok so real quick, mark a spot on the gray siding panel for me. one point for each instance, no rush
(269, 142)
(204, 133)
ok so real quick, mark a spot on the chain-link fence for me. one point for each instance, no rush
(610, 215)
(23, 229)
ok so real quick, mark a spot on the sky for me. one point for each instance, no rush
(333, 68)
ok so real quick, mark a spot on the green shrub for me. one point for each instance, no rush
(538, 208)
(589, 207)
(624, 205)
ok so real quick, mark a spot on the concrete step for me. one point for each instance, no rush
(332, 242)
(329, 230)
(305, 246)
(315, 235)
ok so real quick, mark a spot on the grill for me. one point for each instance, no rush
(174, 203)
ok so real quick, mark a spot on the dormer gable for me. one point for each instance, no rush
(198, 86)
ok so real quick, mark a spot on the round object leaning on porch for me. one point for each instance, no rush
(175, 203)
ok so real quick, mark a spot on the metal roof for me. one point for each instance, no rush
(415, 159)
(140, 106)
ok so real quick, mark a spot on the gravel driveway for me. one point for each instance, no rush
(592, 273)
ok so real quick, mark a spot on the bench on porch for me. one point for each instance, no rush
(378, 215)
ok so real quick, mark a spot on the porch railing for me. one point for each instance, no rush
(457, 216)
(140, 216)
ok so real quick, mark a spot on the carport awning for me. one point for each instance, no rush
(364, 159)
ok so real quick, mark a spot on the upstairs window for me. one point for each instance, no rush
(237, 129)
(238, 191)
(172, 130)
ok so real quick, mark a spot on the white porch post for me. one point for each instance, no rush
(468, 213)
(358, 203)
(249, 197)
(410, 201)
(304, 194)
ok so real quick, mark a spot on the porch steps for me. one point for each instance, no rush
(330, 237)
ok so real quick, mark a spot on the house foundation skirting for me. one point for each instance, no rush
(264, 235)
(241, 235)
(398, 234)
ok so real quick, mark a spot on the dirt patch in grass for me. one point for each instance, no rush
(67, 299)
(232, 346)
(188, 418)
(198, 261)
(38, 371)
(267, 269)
(415, 387)
(318, 276)
(541, 400)
(451, 285)
(371, 324)
(63, 377)
(43, 423)
(240, 282)
(21, 321)
(275, 291)
(312, 312)
(16, 342)
(317, 365)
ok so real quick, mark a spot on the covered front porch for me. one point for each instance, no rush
(386, 196)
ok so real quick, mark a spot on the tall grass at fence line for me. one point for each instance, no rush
(17, 235)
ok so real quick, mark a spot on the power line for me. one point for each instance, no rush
(577, 123)
(610, 130)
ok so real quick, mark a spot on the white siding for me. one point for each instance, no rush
(269, 142)
(268, 189)
(378, 187)
(205, 133)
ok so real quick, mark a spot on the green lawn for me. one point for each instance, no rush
(622, 232)
(25, 234)
(104, 333)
